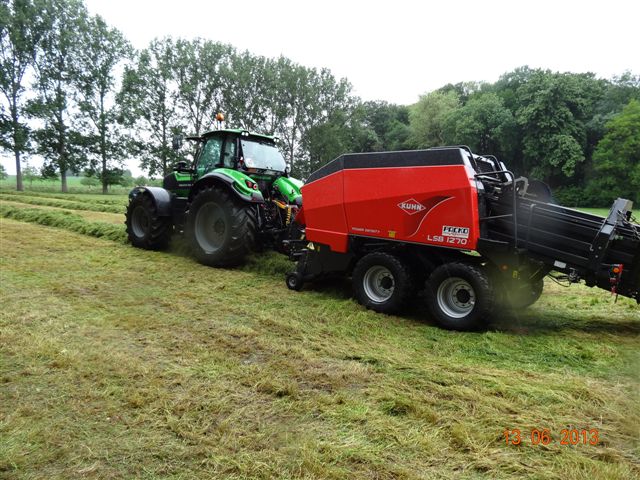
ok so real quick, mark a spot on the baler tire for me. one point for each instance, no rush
(377, 268)
(524, 298)
(460, 296)
(233, 228)
(145, 228)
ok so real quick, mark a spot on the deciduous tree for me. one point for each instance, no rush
(148, 101)
(102, 51)
(616, 161)
(21, 28)
(59, 140)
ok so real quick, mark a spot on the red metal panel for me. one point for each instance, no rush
(323, 204)
(435, 205)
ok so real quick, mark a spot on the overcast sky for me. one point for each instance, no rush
(396, 50)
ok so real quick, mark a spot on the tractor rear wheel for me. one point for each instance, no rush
(460, 296)
(382, 282)
(220, 228)
(145, 228)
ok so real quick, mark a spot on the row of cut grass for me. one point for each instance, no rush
(66, 220)
(99, 199)
(64, 203)
(112, 218)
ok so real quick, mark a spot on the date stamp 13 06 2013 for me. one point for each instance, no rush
(544, 436)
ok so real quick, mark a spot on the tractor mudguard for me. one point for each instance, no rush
(238, 183)
(160, 197)
(290, 188)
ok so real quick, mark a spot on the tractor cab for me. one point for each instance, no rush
(252, 154)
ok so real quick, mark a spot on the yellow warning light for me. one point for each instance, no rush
(616, 269)
(504, 268)
(220, 117)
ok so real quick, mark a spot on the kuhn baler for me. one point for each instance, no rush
(458, 224)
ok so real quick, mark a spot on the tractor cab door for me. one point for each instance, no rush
(210, 156)
(229, 152)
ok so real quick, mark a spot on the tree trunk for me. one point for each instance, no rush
(63, 180)
(103, 143)
(19, 185)
(17, 144)
(105, 185)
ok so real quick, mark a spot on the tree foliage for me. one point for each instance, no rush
(149, 105)
(104, 48)
(60, 141)
(429, 116)
(616, 161)
(21, 29)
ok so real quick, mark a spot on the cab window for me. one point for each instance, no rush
(229, 153)
(210, 156)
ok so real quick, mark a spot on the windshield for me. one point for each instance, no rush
(262, 156)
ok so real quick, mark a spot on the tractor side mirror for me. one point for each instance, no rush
(177, 142)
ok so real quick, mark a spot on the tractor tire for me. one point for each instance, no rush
(220, 228)
(382, 282)
(520, 297)
(145, 228)
(460, 296)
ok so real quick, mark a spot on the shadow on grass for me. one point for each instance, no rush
(532, 323)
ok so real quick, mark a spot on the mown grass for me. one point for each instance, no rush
(121, 363)
(64, 219)
(74, 185)
(99, 199)
(69, 204)
(113, 218)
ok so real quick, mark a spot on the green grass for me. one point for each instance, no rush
(87, 198)
(603, 212)
(74, 185)
(121, 363)
(68, 204)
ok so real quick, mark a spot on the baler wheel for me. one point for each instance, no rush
(145, 228)
(382, 282)
(460, 296)
(221, 229)
(522, 297)
(294, 281)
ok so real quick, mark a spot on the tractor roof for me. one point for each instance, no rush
(235, 131)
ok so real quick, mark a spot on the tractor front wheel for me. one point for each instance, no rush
(221, 229)
(460, 296)
(145, 228)
(382, 282)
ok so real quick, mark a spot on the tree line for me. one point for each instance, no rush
(77, 93)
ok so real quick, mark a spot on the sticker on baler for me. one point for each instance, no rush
(411, 206)
(457, 232)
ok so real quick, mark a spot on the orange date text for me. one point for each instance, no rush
(543, 436)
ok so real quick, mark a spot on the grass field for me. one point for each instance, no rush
(74, 185)
(121, 363)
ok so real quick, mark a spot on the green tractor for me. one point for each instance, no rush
(235, 198)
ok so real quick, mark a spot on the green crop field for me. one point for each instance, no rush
(124, 363)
